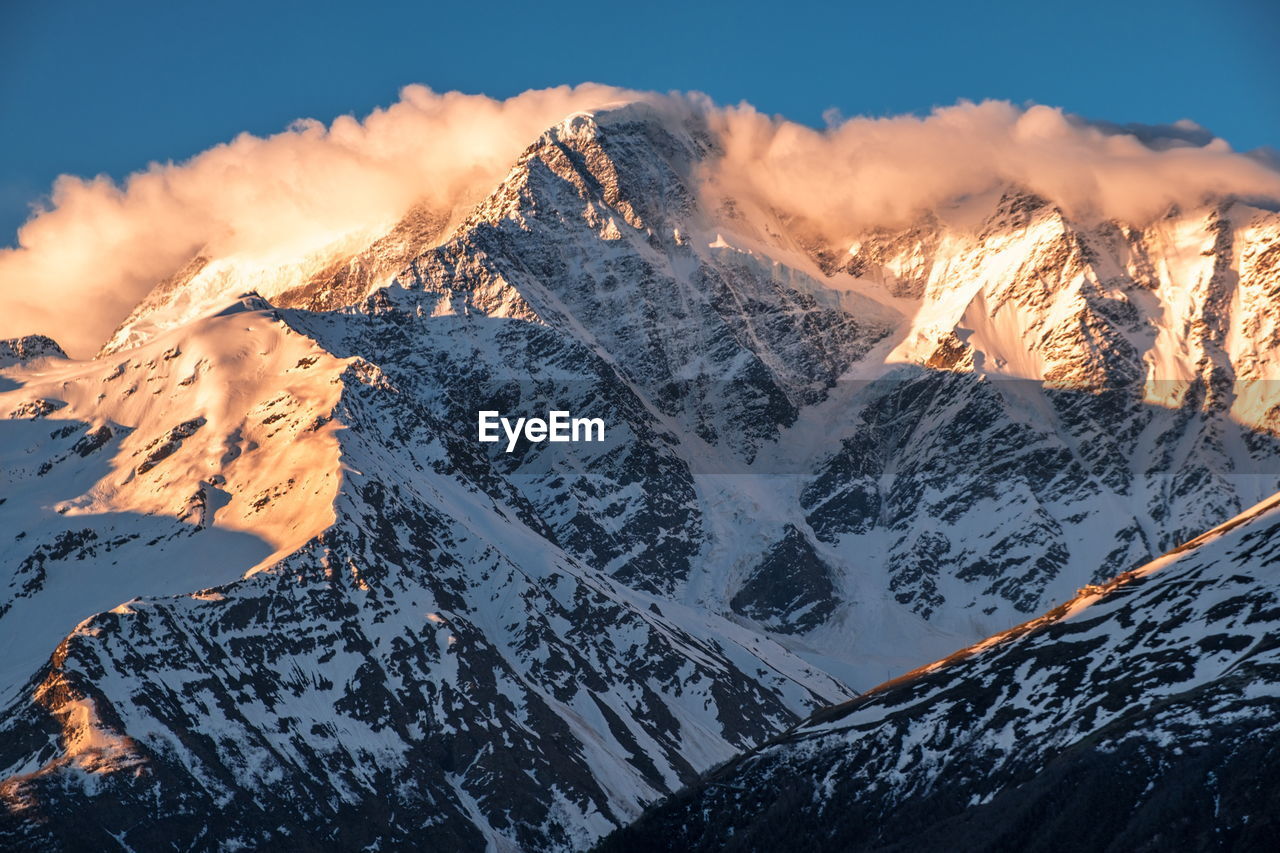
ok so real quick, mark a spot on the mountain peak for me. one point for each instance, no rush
(28, 348)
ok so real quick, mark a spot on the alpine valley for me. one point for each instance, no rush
(261, 586)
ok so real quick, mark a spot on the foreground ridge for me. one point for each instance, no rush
(1133, 717)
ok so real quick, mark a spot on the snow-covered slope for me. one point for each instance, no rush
(422, 638)
(1067, 402)
(281, 580)
(176, 466)
(1143, 714)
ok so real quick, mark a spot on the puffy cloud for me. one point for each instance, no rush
(867, 172)
(98, 248)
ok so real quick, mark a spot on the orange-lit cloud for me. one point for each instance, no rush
(867, 172)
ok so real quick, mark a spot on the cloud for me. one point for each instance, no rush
(867, 172)
(87, 259)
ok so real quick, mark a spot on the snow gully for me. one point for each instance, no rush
(559, 426)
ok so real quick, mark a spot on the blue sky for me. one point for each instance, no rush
(92, 87)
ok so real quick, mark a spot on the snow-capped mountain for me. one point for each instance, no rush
(1144, 714)
(258, 564)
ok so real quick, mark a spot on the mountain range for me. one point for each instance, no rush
(262, 586)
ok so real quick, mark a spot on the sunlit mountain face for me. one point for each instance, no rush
(266, 584)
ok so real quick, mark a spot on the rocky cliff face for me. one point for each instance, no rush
(281, 580)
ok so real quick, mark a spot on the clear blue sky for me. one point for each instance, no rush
(92, 87)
